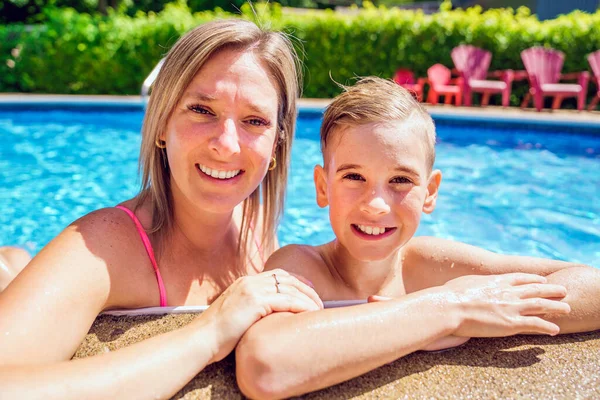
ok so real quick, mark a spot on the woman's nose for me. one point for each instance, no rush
(226, 142)
(375, 204)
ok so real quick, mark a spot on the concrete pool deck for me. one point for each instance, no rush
(519, 367)
(491, 113)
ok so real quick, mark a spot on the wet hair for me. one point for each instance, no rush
(276, 53)
(378, 100)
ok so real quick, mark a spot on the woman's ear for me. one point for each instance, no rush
(432, 191)
(321, 186)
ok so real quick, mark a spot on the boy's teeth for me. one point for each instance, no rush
(218, 174)
(371, 230)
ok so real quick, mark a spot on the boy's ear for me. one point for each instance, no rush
(432, 191)
(321, 186)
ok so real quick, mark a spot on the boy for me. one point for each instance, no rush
(377, 178)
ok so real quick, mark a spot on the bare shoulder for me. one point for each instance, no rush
(431, 261)
(303, 260)
(296, 258)
(65, 286)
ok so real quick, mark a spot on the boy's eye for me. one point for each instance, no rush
(198, 109)
(400, 179)
(354, 177)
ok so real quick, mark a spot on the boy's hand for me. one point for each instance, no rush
(504, 305)
(444, 343)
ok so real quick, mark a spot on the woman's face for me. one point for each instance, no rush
(221, 135)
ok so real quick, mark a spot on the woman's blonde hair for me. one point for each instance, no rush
(275, 52)
(374, 99)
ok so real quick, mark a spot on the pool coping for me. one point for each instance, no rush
(497, 115)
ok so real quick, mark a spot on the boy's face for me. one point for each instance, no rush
(376, 182)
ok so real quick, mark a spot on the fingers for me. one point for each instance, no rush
(544, 306)
(289, 284)
(376, 298)
(519, 278)
(542, 290)
(538, 325)
(290, 302)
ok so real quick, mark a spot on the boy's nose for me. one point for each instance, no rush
(226, 143)
(375, 204)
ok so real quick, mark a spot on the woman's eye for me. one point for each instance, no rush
(400, 179)
(354, 177)
(199, 109)
(257, 122)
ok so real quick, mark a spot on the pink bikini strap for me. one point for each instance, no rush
(148, 246)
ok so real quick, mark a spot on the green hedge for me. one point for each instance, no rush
(79, 53)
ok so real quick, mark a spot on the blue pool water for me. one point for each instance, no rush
(510, 189)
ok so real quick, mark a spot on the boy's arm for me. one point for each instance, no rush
(283, 355)
(433, 261)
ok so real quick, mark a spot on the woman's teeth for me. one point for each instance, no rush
(371, 230)
(218, 174)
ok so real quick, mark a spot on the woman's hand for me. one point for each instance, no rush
(251, 298)
(504, 305)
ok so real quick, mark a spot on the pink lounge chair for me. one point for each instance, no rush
(472, 64)
(406, 79)
(442, 84)
(543, 67)
(594, 60)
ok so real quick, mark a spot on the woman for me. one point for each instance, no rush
(12, 261)
(216, 137)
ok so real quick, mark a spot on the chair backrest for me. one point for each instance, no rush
(438, 74)
(404, 76)
(545, 64)
(594, 60)
(472, 62)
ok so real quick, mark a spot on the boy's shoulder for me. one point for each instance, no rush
(303, 260)
(296, 258)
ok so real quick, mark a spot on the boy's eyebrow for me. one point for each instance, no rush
(345, 167)
(404, 168)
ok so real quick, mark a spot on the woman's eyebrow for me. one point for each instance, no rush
(200, 96)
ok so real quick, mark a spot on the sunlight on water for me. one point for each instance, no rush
(517, 191)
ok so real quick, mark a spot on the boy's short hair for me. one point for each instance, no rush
(374, 100)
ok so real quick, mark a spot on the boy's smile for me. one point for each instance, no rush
(376, 182)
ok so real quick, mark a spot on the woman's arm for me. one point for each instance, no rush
(50, 306)
(433, 261)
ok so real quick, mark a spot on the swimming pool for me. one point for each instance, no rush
(512, 189)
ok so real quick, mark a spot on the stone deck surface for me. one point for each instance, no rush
(521, 367)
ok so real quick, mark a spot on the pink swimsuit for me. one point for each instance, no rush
(148, 247)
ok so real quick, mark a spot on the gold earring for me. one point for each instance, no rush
(272, 164)
(161, 144)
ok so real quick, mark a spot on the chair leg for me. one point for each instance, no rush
(433, 97)
(581, 100)
(526, 100)
(592, 105)
(458, 99)
(468, 98)
(538, 101)
(485, 100)
(448, 98)
(505, 98)
(557, 102)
